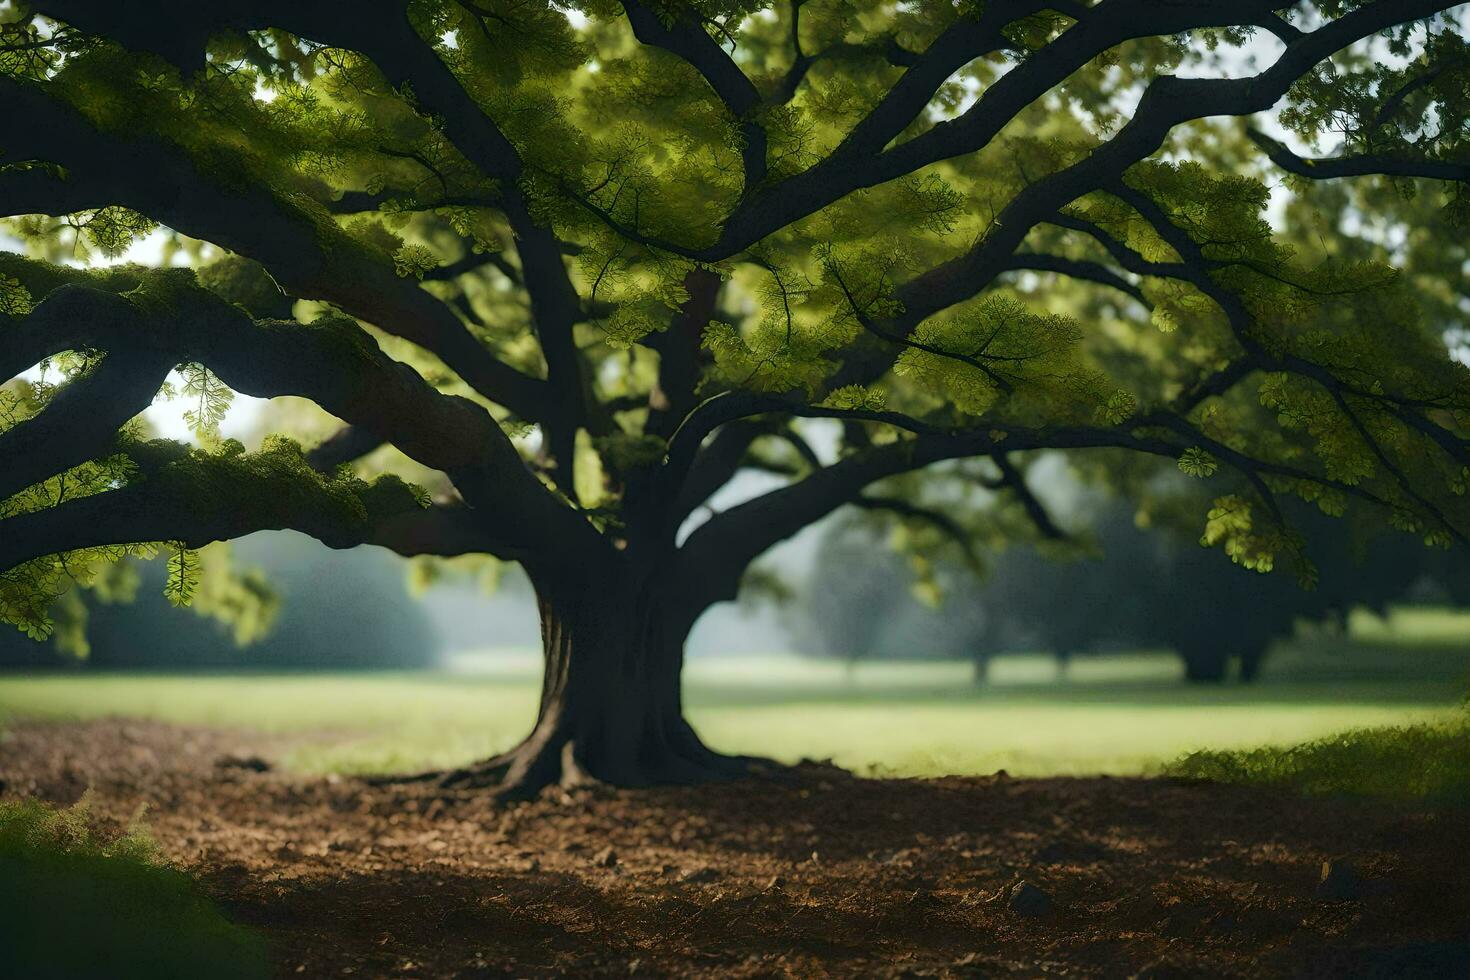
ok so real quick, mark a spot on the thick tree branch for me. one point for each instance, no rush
(1167, 102)
(337, 365)
(718, 551)
(861, 161)
(309, 257)
(381, 31)
(686, 38)
(349, 443)
(1359, 165)
(959, 44)
(917, 512)
(1014, 480)
(1195, 268)
(170, 508)
(406, 59)
(679, 353)
(80, 422)
(1080, 269)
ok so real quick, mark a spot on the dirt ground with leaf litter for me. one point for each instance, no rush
(817, 874)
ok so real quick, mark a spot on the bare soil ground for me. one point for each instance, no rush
(821, 874)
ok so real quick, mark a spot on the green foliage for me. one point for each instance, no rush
(634, 320)
(111, 230)
(623, 452)
(596, 174)
(276, 483)
(857, 398)
(28, 591)
(210, 398)
(998, 343)
(1119, 407)
(1423, 763)
(15, 299)
(77, 903)
(247, 283)
(1197, 462)
(183, 576)
(1231, 525)
(240, 598)
(414, 261)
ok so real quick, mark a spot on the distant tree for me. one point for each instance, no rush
(1159, 589)
(581, 271)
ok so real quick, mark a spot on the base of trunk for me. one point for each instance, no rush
(552, 758)
(611, 710)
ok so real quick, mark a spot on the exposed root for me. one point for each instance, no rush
(477, 775)
(542, 762)
(405, 779)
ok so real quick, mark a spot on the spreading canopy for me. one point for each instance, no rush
(561, 272)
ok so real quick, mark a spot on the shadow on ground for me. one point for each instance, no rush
(822, 874)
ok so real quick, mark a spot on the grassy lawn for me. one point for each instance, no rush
(76, 905)
(1118, 715)
(1414, 762)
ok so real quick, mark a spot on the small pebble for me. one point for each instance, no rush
(1030, 901)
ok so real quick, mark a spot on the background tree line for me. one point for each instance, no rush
(1116, 585)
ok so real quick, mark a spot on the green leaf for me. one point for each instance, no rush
(631, 322)
(1120, 407)
(414, 261)
(1197, 462)
(212, 399)
(857, 398)
(183, 576)
(15, 299)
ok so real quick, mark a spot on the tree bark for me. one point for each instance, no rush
(611, 709)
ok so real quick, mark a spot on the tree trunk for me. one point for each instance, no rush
(1204, 664)
(611, 707)
(1250, 661)
(981, 672)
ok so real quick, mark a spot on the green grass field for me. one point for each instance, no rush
(75, 905)
(1119, 715)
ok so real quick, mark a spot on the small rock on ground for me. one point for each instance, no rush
(1028, 900)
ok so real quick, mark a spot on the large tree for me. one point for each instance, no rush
(579, 266)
